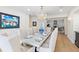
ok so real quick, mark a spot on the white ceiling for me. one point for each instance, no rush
(50, 10)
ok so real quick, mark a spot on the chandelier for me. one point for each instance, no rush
(42, 15)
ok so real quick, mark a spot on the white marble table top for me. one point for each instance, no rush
(35, 40)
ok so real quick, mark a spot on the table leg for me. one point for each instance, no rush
(36, 49)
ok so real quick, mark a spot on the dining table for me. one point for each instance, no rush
(36, 40)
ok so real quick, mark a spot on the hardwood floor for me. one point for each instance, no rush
(63, 44)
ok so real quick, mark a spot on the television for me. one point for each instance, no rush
(9, 21)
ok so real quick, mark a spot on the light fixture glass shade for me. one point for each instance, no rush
(42, 15)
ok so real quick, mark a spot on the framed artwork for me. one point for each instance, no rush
(34, 23)
(55, 22)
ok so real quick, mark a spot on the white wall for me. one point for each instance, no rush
(24, 19)
(71, 34)
(50, 22)
(38, 21)
(73, 25)
(76, 22)
(66, 26)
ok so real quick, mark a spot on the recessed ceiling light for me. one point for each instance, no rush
(61, 10)
(28, 9)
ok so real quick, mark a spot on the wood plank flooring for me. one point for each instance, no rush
(63, 44)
